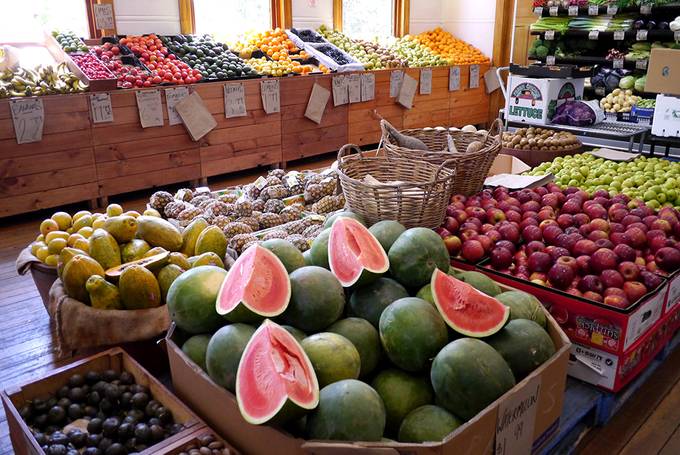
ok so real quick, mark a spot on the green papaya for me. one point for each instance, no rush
(133, 250)
(190, 235)
(139, 288)
(66, 255)
(211, 239)
(166, 276)
(159, 232)
(154, 251)
(76, 273)
(180, 260)
(123, 228)
(208, 258)
(104, 249)
(103, 295)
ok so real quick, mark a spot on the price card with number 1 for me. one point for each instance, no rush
(28, 117)
(100, 105)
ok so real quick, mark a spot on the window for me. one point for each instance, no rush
(27, 20)
(368, 19)
(228, 19)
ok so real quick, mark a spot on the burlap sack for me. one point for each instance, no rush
(79, 326)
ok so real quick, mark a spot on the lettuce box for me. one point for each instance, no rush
(533, 100)
(666, 121)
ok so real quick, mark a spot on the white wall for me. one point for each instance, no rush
(425, 15)
(136, 17)
(472, 21)
(312, 13)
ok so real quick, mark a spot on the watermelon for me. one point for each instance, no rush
(401, 393)
(352, 249)
(415, 255)
(387, 232)
(524, 344)
(256, 283)
(275, 378)
(465, 309)
(224, 353)
(364, 337)
(468, 375)
(191, 299)
(480, 282)
(333, 357)
(369, 301)
(288, 253)
(427, 423)
(318, 252)
(344, 214)
(412, 332)
(297, 333)
(195, 348)
(523, 306)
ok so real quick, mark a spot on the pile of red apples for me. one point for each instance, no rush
(608, 249)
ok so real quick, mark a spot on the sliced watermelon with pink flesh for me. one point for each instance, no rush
(465, 309)
(274, 375)
(352, 249)
(258, 281)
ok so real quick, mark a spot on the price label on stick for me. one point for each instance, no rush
(617, 63)
(641, 35)
(646, 9)
(235, 100)
(271, 98)
(572, 10)
(454, 78)
(367, 87)
(172, 97)
(100, 106)
(641, 64)
(395, 82)
(150, 107)
(354, 82)
(554, 10)
(474, 76)
(612, 10)
(593, 10)
(317, 103)
(103, 16)
(550, 60)
(619, 35)
(593, 35)
(28, 117)
(426, 81)
(407, 91)
(340, 86)
(538, 11)
(549, 35)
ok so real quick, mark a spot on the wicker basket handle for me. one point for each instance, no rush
(496, 127)
(442, 166)
(346, 150)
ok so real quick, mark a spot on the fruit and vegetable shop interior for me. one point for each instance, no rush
(333, 227)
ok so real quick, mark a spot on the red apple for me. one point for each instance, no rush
(551, 232)
(495, 215)
(584, 247)
(460, 216)
(458, 198)
(597, 235)
(634, 290)
(594, 296)
(630, 219)
(494, 235)
(603, 259)
(651, 280)
(486, 227)
(476, 212)
(550, 200)
(501, 258)
(624, 252)
(573, 291)
(453, 244)
(595, 211)
(530, 233)
(545, 223)
(468, 226)
(540, 262)
(468, 234)
(472, 250)
(616, 227)
(534, 246)
(572, 206)
(619, 238)
(658, 242)
(451, 224)
(565, 220)
(668, 259)
(567, 240)
(614, 291)
(560, 276)
(539, 278)
(616, 301)
(509, 232)
(611, 279)
(530, 206)
(637, 237)
(486, 242)
(583, 263)
(507, 245)
(513, 216)
(662, 225)
(649, 220)
(629, 270)
(604, 243)
(640, 226)
(568, 261)
(443, 232)
(591, 283)
(581, 219)
(546, 213)
(599, 224)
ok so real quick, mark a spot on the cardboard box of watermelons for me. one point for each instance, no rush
(519, 421)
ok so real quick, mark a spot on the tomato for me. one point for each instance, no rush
(198, 77)
(129, 78)
(167, 77)
(157, 79)
(123, 41)
(147, 83)
(172, 57)
(151, 66)
(115, 50)
(138, 83)
(184, 74)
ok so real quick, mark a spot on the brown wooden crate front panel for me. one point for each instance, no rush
(149, 180)
(144, 147)
(44, 181)
(220, 160)
(46, 199)
(313, 142)
(136, 166)
(13, 167)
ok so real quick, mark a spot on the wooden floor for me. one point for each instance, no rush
(648, 424)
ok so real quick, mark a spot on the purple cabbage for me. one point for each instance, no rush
(574, 113)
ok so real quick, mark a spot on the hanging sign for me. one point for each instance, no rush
(271, 98)
(196, 117)
(407, 91)
(516, 418)
(235, 100)
(103, 16)
(426, 81)
(150, 107)
(354, 88)
(454, 78)
(340, 87)
(395, 82)
(474, 76)
(28, 117)
(172, 97)
(100, 107)
(317, 103)
(367, 87)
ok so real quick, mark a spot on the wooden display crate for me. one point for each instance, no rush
(179, 446)
(469, 106)
(115, 359)
(432, 109)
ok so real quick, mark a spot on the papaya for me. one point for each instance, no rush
(152, 263)
(82, 244)
(103, 295)
(76, 273)
(159, 232)
(180, 260)
(83, 221)
(154, 251)
(211, 239)
(152, 212)
(104, 249)
(133, 250)
(114, 210)
(190, 235)
(208, 258)
(139, 288)
(66, 255)
(122, 228)
(166, 276)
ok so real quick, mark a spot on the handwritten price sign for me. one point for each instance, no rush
(100, 104)
(516, 418)
(28, 117)
(235, 100)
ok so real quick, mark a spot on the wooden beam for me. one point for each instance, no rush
(502, 42)
(337, 14)
(402, 14)
(187, 19)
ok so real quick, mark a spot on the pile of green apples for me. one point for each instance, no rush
(654, 180)
(372, 55)
(416, 54)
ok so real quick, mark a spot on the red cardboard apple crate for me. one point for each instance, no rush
(591, 323)
(612, 372)
(673, 294)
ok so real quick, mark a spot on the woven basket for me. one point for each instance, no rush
(471, 168)
(414, 193)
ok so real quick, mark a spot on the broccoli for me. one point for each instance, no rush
(542, 52)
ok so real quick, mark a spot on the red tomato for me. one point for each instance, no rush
(115, 50)
(146, 83)
(139, 83)
(198, 77)
(157, 80)
(172, 57)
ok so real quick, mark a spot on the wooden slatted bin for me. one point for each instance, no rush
(431, 109)
(239, 143)
(194, 441)
(300, 136)
(58, 170)
(131, 158)
(469, 106)
(115, 359)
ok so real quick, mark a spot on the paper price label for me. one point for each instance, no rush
(641, 64)
(538, 11)
(426, 81)
(317, 103)
(100, 106)
(612, 10)
(572, 10)
(354, 88)
(172, 97)
(646, 9)
(641, 35)
(150, 108)
(340, 85)
(549, 35)
(235, 100)
(103, 16)
(600, 91)
(554, 11)
(407, 91)
(196, 117)
(395, 82)
(550, 60)
(617, 63)
(367, 87)
(474, 76)
(271, 97)
(454, 78)
(28, 117)
(593, 10)
(516, 418)
(619, 35)
(593, 35)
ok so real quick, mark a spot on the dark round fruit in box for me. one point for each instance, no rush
(76, 380)
(92, 377)
(94, 426)
(110, 375)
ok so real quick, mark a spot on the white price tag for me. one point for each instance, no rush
(554, 11)
(172, 97)
(550, 60)
(646, 9)
(196, 117)
(367, 86)
(549, 35)
(572, 10)
(407, 91)
(28, 117)
(612, 10)
(516, 419)
(593, 10)
(340, 87)
(100, 106)
(395, 82)
(474, 76)
(426, 81)
(538, 11)
(271, 98)
(641, 64)
(617, 63)
(103, 16)
(235, 100)
(593, 35)
(619, 35)
(354, 88)
(317, 103)
(150, 107)
(641, 35)
(454, 78)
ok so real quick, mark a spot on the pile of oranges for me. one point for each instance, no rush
(453, 50)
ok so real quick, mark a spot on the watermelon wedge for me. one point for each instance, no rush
(465, 309)
(352, 249)
(257, 283)
(275, 377)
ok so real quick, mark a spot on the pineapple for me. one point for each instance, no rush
(274, 192)
(233, 229)
(221, 221)
(238, 241)
(278, 173)
(276, 234)
(173, 209)
(274, 206)
(329, 204)
(189, 213)
(228, 198)
(299, 241)
(243, 208)
(250, 221)
(268, 220)
(258, 206)
(185, 194)
(160, 199)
